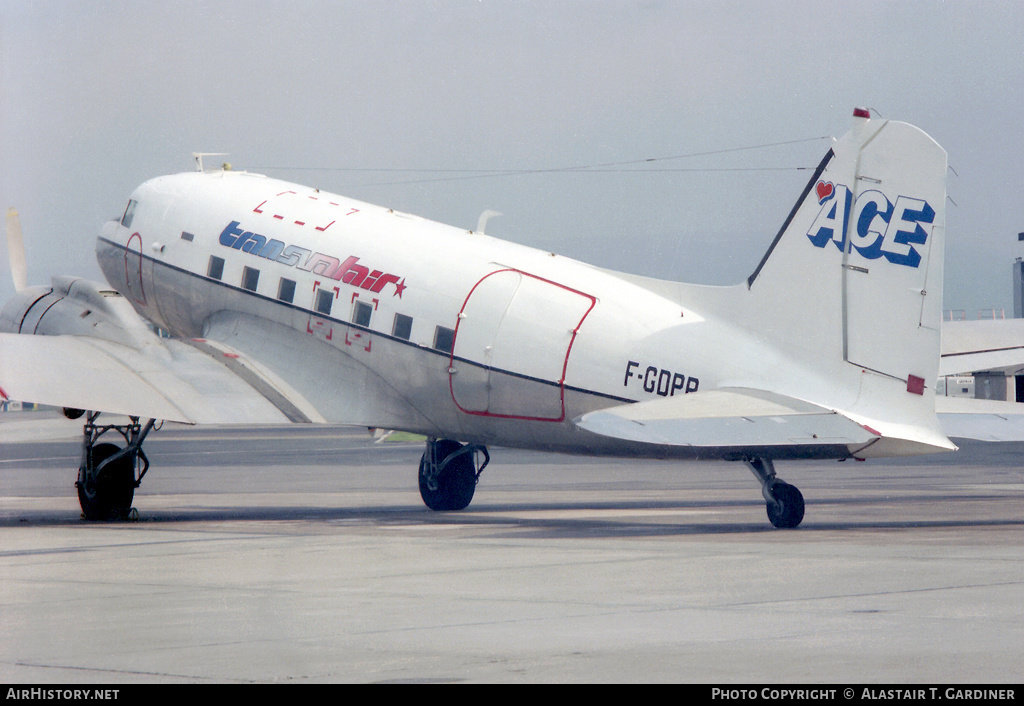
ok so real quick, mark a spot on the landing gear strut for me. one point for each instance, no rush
(449, 473)
(785, 503)
(109, 474)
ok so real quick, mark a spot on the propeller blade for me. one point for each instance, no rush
(16, 250)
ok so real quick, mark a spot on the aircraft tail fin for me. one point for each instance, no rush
(852, 285)
(863, 250)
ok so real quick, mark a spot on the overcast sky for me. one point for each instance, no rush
(97, 96)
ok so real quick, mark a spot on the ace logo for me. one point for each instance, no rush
(881, 228)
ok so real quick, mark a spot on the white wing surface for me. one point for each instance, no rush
(170, 380)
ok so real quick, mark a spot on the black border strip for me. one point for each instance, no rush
(792, 214)
(986, 350)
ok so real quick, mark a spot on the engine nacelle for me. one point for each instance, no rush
(76, 307)
(18, 306)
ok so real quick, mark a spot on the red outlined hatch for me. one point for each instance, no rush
(512, 344)
(133, 270)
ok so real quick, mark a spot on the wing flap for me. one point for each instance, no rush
(360, 388)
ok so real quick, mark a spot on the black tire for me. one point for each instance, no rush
(788, 509)
(456, 482)
(109, 494)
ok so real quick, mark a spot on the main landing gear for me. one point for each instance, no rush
(449, 473)
(785, 503)
(110, 473)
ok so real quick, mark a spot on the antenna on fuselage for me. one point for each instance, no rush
(484, 217)
(198, 156)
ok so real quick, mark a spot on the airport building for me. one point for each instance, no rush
(999, 338)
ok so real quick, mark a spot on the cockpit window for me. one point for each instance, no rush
(129, 213)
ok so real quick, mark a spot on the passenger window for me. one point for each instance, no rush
(286, 290)
(324, 300)
(185, 235)
(403, 327)
(361, 313)
(216, 269)
(250, 278)
(444, 339)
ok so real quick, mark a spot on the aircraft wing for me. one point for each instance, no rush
(739, 417)
(98, 354)
(357, 388)
(191, 382)
(89, 349)
(247, 370)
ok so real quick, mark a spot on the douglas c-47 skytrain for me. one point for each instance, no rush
(288, 304)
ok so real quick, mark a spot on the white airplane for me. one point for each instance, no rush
(288, 304)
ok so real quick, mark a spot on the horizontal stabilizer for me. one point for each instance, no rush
(727, 418)
(985, 420)
(993, 344)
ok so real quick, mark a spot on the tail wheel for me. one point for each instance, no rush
(106, 494)
(452, 486)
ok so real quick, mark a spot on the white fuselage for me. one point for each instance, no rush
(451, 333)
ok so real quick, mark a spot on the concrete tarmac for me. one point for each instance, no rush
(304, 554)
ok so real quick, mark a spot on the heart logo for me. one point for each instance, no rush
(825, 190)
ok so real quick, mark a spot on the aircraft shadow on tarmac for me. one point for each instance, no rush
(575, 520)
